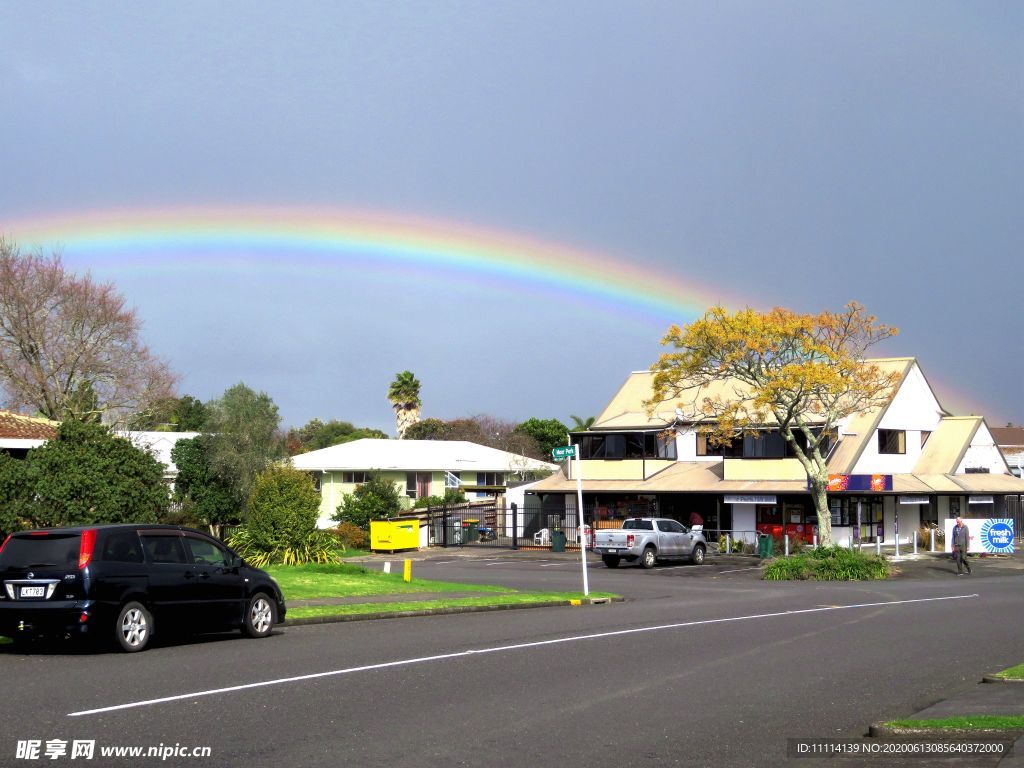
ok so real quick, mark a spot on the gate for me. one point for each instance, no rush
(503, 525)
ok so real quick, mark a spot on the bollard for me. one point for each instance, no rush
(915, 542)
(387, 566)
(932, 546)
(728, 544)
(878, 546)
(407, 571)
(785, 538)
(815, 541)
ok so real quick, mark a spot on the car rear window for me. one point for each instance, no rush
(638, 525)
(49, 551)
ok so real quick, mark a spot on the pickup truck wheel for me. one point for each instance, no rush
(611, 561)
(698, 555)
(648, 558)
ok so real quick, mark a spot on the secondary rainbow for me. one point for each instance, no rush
(297, 239)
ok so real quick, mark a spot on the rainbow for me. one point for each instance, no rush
(304, 240)
(297, 239)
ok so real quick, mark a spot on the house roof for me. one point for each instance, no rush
(708, 477)
(627, 411)
(1008, 437)
(416, 456)
(159, 444)
(17, 427)
(947, 445)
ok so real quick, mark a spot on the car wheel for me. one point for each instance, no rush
(259, 616)
(134, 627)
(611, 561)
(648, 558)
(698, 555)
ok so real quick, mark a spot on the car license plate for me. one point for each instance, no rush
(33, 591)
(611, 550)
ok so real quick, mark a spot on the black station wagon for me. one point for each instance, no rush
(124, 583)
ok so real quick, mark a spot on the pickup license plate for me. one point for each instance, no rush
(612, 550)
(33, 591)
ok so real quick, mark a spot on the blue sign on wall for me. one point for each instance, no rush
(997, 536)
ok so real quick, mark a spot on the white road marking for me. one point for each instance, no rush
(439, 562)
(752, 568)
(501, 649)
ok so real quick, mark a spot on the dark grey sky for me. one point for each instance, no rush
(793, 153)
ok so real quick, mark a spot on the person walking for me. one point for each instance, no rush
(961, 541)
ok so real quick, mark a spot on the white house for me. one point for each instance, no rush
(419, 468)
(159, 446)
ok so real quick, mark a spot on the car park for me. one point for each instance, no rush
(122, 584)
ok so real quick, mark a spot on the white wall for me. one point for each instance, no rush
(744, 522)
(913, 409)
(686, 447)
(983, 452)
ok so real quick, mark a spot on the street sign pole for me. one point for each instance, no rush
(579, 507)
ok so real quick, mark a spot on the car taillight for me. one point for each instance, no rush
(5, 542)
(630, 539)
(86, 547)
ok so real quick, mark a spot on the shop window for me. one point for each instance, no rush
(892, 441)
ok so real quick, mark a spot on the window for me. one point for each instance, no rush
(490, 478)
(417, 485)
(637, 525)
(355, 477)
(122, 547)
(671, 526)
(164, 549)
(705, 447)
(205, 552)
(892, 441)
(626, 445)
(315, 477)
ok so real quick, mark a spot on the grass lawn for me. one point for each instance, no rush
(300, 582)
(1013, 673)
(354, 553)
(976, 723)
(514, 598)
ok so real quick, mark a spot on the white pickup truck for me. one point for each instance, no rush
(649, 539)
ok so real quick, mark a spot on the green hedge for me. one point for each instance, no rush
(827, 564)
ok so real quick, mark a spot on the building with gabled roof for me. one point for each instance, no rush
(20, 433)
(907, 464)
(418, 468)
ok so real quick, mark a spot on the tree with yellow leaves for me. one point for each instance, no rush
(800, 374)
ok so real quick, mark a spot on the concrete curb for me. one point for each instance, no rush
(878, 730)
(444, 611)
(1001, 680)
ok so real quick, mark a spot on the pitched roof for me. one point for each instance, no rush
(947, 445)
(1008, 437)
(17, 427)
(416, 455)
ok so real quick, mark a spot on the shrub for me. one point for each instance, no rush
(451, 496)
(827, 564)
(349, 536)
(281, 525)
(376, 499)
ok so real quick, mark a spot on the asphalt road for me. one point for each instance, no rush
(698, 667)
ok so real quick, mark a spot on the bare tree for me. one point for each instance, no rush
(69, 347)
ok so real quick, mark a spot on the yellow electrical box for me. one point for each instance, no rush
(391, 535)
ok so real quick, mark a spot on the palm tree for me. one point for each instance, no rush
(582, 425)
(404, 394)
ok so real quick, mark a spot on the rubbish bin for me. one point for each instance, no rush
(470, 530)
(558, 541)
(765, 545)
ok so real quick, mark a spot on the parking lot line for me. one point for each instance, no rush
(737, 570)
(501, 649)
